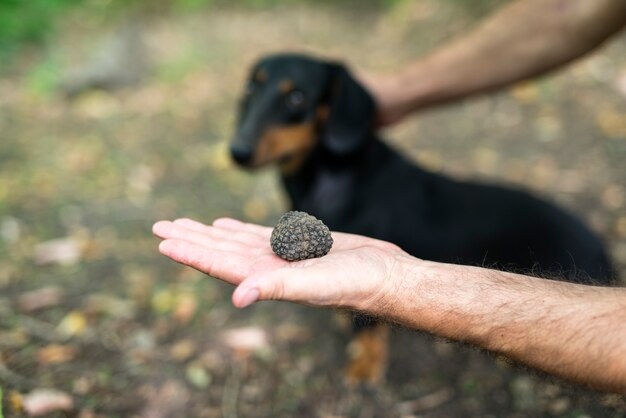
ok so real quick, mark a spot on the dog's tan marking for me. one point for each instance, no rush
(368, 353)
(286, 85)
(323, 112)
(294, 141)
(261, 76)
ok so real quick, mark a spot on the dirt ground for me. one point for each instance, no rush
(88, 308)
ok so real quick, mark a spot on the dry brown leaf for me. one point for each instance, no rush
(41, 298)
(55, 354)
(183, 349)
(186, 307)
(526, 92)
(16, 401)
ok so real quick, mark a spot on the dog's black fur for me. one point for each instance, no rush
(355, 183)
(341, 172)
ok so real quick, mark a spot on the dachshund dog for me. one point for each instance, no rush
(314, 121)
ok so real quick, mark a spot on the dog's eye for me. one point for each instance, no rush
(295, 99)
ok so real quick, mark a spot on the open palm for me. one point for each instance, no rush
(356, 270)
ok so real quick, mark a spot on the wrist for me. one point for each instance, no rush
(391, 95)
(399, 94)
(431, 296)
(399, 289)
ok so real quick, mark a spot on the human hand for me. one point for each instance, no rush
(389, 94)
(357, 273)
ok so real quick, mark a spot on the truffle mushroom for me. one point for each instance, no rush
(299, 236)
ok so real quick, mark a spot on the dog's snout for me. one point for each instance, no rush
(241, 154)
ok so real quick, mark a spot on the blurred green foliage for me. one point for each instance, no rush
(32, 22)
(27, 21)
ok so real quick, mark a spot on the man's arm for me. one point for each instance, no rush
(573, 331)
(521, 40)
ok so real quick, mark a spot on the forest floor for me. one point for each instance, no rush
(92, 314)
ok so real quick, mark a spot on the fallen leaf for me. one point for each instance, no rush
(163, 301)
(246, 339)
(186, 307)
(96, 105)
(525, 92)
(44, 401)
(63, 251)
(73, 324)
(16, 401)
(55, 354)
(42, 298)
(183, 350)
(198, 376)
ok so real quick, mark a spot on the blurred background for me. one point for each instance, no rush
(114, 114)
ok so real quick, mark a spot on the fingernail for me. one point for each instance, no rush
(249, 297)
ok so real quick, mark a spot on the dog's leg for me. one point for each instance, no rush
(367, 355)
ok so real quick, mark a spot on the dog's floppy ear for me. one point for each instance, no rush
(352, 111)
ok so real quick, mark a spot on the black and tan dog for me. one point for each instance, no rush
(315, 122)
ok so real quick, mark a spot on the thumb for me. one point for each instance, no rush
(279, 284)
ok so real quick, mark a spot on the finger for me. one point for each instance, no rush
(161, 229)
(224, 265)
(209, 237)
(236, 225)
(288, 283)
(241, 235)
(191, 224)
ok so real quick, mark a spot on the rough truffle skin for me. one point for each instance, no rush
(299, 236)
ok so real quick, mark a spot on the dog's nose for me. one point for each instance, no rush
(241, 154)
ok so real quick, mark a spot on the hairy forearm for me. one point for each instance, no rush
(573, 331)
(521, 40)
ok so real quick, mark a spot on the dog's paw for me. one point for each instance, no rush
(367, 353)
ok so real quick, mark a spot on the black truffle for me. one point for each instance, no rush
(299, 236)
